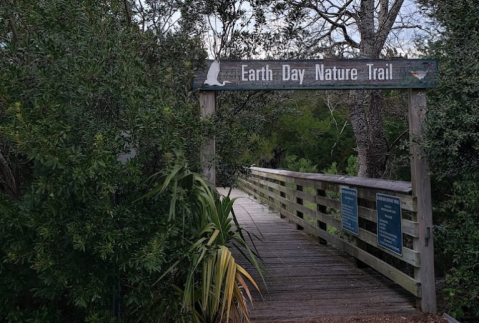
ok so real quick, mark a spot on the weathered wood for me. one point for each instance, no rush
(359, 241)
(408, 283)
(316, 74)
(208, 106)
(372, 183)
(321, 208)
(409, 256)
(410, 228)
(283, 195)
(333, 183)
(299, 201)
(422, 189)
(306, 281)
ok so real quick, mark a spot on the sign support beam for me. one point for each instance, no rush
(208, 106)
(421, 187)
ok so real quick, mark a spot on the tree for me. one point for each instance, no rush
(452, 148)
(350, 28)
(453, 120)
(307, 28)
(81, 84)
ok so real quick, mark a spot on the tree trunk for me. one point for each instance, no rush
(369, 131)
(366, 107)
(377, 142)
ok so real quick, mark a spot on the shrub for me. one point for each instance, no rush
(79, 87)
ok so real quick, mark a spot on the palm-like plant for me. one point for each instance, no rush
(215, 287)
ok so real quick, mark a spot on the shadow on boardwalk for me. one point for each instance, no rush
(306, 280)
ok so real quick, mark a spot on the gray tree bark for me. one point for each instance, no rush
(366, 106)
(373, 20)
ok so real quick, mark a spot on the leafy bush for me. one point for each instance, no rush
(80, 86)
(302, 165)
(452, 148)
(458, 247)
(214, 288)
(353, 166)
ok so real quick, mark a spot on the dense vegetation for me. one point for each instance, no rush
(84, 82)
(80, 85)
(452, 147)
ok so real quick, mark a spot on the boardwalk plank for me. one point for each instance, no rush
(306, 280)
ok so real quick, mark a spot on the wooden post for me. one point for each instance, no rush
(322, 209)
(421, 188)
(300, 202)
(270, 190)
(358, 242)
(283, 195)
(208, 105)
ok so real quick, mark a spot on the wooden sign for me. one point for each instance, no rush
(315, 74)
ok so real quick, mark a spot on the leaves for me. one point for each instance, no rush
(74, 77)
(452, 148)
(214, 282)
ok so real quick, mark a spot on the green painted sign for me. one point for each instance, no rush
(324, 74)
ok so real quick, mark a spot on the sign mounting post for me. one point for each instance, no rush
(208, 106)
(421, 187)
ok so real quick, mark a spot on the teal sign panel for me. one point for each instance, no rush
(389, 223)
(349, 210)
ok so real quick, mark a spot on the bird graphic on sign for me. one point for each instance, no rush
(212, 76)
(419, 74)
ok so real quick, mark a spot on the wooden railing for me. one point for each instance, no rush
(312, 201)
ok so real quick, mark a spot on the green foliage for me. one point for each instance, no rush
(262, 128)
(238, 124)
(79, 86)
(214, 287)
(452, 148)
(300, 165)
(458, 247)
(353, 166)
(453, 119)
(309, 129)
(331, 170)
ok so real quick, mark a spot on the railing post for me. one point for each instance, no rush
(283, 195)
(300, 202)
(421, 188)
(261, 194)
(358, 242)
(270, 190)
(322, 209)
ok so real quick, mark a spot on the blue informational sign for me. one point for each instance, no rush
(349, 210)
(389, 223)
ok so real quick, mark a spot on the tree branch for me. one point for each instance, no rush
(127, 12)
(10, 181)
(385, 28)
(327, 16)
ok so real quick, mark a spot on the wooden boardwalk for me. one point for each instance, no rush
(306, 280)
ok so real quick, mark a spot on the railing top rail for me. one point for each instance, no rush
(373, 183)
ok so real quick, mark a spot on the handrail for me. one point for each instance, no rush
(312, 202)
(381, 184)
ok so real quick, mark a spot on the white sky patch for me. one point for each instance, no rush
(399, 42)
